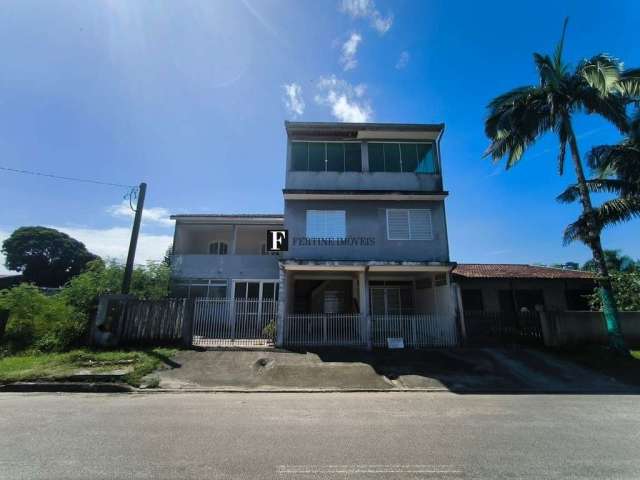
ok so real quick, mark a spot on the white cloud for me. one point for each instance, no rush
(347, 102)
(403, 60)
(114, 242)
(293, 99)
(349, 50)
(367, 9)
(150, 215)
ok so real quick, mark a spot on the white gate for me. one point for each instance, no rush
(219, 322)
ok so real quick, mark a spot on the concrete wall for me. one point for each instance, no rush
(225, 266)
(553, 290)
(367, 219)
(574, 328)
(195, 239)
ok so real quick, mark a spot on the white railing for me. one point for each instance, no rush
(419, 330)
(325, 329)
(231, 322)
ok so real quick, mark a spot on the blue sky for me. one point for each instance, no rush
(191, 97)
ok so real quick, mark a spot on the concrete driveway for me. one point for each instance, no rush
(456, 370)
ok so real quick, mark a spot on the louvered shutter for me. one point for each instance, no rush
(330, 224)
(420, 227)
(398, 224)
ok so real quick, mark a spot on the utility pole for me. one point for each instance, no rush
(128, 270)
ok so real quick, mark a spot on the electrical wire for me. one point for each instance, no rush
(72, 179)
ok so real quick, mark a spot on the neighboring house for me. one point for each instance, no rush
(368, 254)
(10, 280)
(509, 288)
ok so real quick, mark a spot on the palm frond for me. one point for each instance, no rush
(601, 72)
(612, 106)
(606, 185)
(629, 84)
(557, 54)
(618, 210)
(575, 231)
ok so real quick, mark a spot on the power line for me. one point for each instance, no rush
(71, 179)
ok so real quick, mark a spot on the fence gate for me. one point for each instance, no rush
(222, 322)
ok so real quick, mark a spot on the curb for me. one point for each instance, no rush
(103, 387)
(70, 387)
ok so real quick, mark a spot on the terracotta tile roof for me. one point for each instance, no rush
(512, 270)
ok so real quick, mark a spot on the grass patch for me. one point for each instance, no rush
(56, 366)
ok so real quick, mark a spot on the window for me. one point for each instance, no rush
(472, 300)
(389, 299)
(401, 157)
(263, 290)
(578, 299)
(409, 224)
(199, 288)
(218, 248)
(326, 157)
(330, 224)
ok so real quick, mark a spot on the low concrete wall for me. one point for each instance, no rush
(575, 328)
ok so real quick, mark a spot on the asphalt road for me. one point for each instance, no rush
(333, 436)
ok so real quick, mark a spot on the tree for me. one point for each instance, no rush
(518, 118)
(616, 262)
(626, 286)
(45, 256)
(617, 169)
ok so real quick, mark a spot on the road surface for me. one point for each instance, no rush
(332, 436)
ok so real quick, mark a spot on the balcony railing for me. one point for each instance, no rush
(204, 266)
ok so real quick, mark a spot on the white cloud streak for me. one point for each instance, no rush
(367, 9)
(293, 100)
(347, 102)
(349, 50)
(150, 215)
(403, 60)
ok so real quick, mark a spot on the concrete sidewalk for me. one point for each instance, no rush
(457, 370)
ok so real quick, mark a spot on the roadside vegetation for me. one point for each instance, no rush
(56, 366)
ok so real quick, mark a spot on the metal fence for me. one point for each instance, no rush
(324, 329)
(418, 330)
(234, 322)
(503, 327)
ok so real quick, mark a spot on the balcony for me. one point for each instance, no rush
(224, 266)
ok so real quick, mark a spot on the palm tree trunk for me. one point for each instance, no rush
(609, 309)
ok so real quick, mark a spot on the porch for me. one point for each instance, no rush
(365, 305)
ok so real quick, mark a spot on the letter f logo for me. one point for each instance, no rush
(277, 240)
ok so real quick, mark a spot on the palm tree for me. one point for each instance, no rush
(521, 116)
(617, 169)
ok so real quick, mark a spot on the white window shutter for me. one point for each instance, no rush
(420, 224)
(398, 224)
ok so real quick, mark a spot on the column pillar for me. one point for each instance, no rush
(365, 316)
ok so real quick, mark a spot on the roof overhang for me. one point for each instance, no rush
(362, 195)
(364, 131)
(228, 220)
(361, 266)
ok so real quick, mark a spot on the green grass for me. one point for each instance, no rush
(56, 366)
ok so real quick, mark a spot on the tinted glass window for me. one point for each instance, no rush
(352, 157)
(316, 157)
(391, 157)
(335, 157)
(426, 163)
(299, 156)
(376, 157)
(408, 152)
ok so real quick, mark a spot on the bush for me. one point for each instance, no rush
(269, 330)
(40, 322)
(626, 289)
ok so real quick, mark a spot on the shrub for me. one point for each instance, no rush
(269, 330)
(41, 322)
(626, 289)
